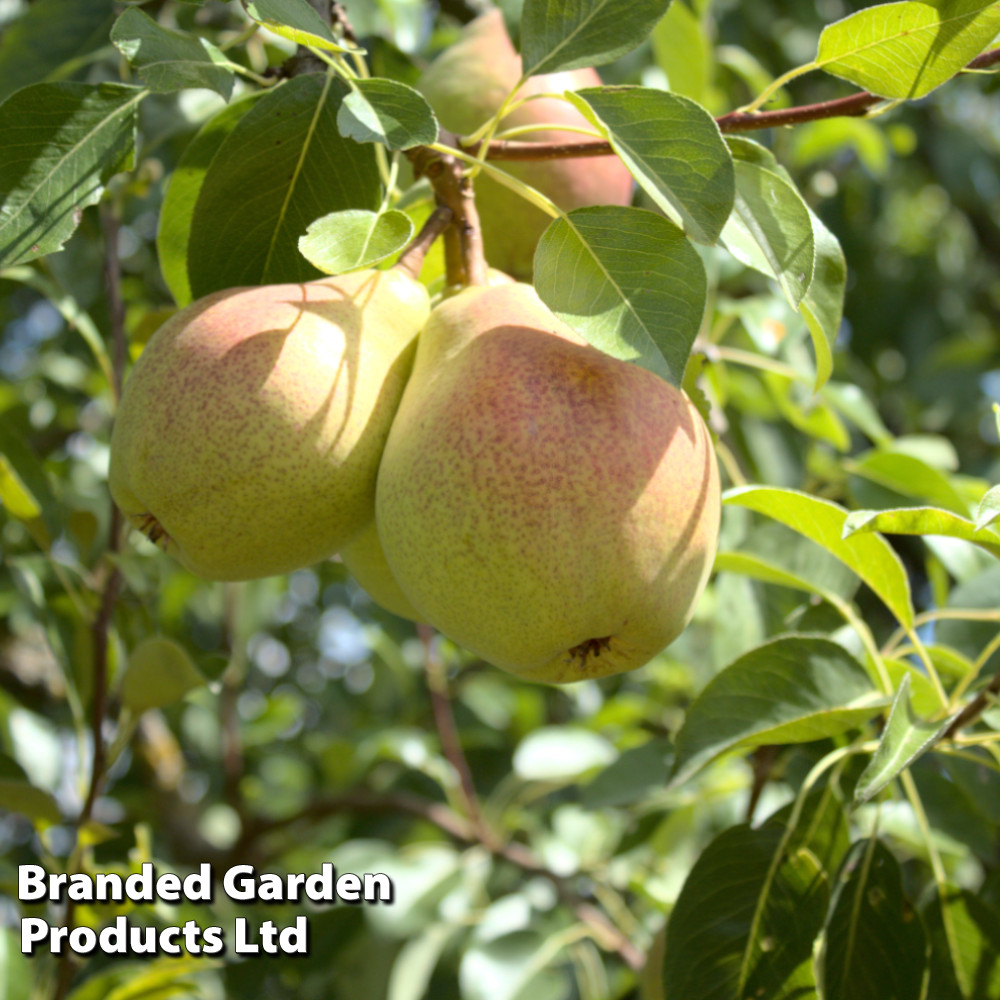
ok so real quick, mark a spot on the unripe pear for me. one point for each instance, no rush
(551, 508)
(250, 432)
(465, 86)
(364, 557)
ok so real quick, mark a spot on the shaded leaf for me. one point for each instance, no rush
(744, 923)
(874, 945)
(159, 672)
(793, 689)
(635, 774)
(904, 739)
(909, 476)
(174, 233)
(628, 281)
(170, 60)
(284, 165)
(576, 33)
(672, 147)
(389, 112)
(903, 51)
(49, 38)
(771, 229)
(62, 143)
(965, 957)
(345, 241)
(823, 304)
(823, 521)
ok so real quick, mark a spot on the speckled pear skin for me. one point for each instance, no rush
(551, 508)
(364, 557)
(465, 85)
(249, 434)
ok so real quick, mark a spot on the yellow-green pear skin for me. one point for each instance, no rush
(549, 507)
(465, 86)
(250, 432)
(366, 561)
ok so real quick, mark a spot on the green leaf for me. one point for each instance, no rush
(62, 143)
(635, 774)
(921, 521)
(295, 20)
(683, 52)
(49, 39)
(577, 33)
(561, 754)
(902, 51)
(628, 281)
(874, 946)
(793, 689)
(18, 795)
(388, 112)
(910, 477)
(744, 922)
(871, 557)
(989, 509)
(771, 229)
(174, 233)
(271, 177)
(904, 739)
(823, 304)
(159, 672)
(965, 964)
(775, 554)
(345, 241)
(414, 965)
(25, 489)
(672, 147)
(851, 402)
(511, 967)
(17, 971)
(160, 979)
(170, 60)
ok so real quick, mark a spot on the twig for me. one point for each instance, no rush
(109, 591)
(444, 720)
(462, 831)
(975, 708)
(412, 258)
(852, 106)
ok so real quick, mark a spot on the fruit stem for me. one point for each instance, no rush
(412, 258)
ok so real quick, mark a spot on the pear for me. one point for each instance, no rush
(249, 434)
(551, 508)
(465, 86)
(367, 564)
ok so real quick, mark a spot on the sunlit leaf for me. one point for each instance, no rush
(904, 50)
(628, 281)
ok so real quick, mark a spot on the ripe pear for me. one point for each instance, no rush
(250, 432)
(551, 508)
(367, 564)
(465, 86)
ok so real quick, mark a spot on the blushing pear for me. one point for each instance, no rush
(250, 432)
(551, 508)
(364, 557)
(465, 86)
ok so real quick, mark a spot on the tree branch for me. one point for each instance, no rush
(852, 106)
(975, 708)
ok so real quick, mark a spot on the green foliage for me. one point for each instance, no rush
(799, 797)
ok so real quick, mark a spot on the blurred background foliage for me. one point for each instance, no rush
(315, 738)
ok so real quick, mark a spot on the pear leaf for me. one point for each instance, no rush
(159, 672)
(628, 281)
(355, 238)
